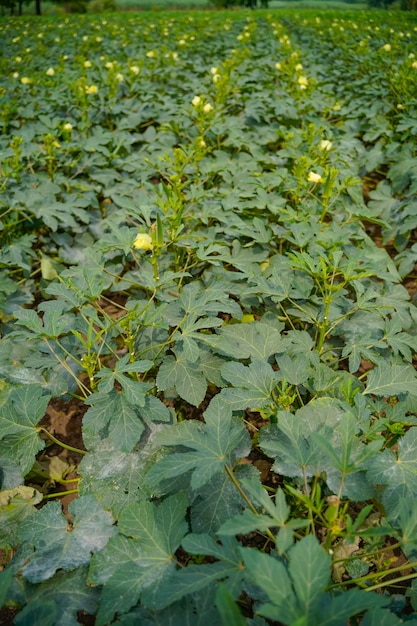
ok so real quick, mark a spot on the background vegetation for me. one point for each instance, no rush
(18, 7)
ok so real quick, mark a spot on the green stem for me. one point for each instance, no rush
(374, 575)
(60, 443)
(389, 583)
(324, 325)
(60, 494)
(236, 483)
(324, 211)
(84, 390)
(154, 263)
(366, 555)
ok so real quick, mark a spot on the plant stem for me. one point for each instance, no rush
(236, 483)
(388, 583)
(366, 555)
(60, 494)
(84, 390)
(324, 325)
(373, 575)
(60, 443)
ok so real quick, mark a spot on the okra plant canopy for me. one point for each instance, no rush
(208, 392)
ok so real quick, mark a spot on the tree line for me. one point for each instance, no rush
(15, 7)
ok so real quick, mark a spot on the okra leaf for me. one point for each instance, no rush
(15, 506)
(405, 520)
(135, 390)
(273, 513)
(229, 611)
(38, 612)
(61, 546)
(396, 472)
(252, 384)
(261, 569)
(113, 477)
(197, 609)
(391, 380)
(295, 453)
(294, 370)
(194, 578)
(139, 562)
(218, 500)
(298, 594)
(309, 568)
(199, 299)
(244, 341)
(67, 593)
(19, 416)
(211, 446)
(347, 457)
(112, 416)
(184, 376)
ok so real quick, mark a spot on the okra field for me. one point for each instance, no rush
(208, 386)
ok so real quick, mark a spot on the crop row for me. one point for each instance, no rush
(207, 225)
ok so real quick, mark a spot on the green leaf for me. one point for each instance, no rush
(87, 283)
(184, 376)
(196, 609)
(297, 595)
(294, 370)
(381, 617)
(274, 512)
(193, 578)
(140, 564)
(37, 612)
(309, 569)
(399, 341)
(253, 384)
(59, 546)
(15, 506)
(113, 477)
(69, 594)
(360, 347)
(397, 471)
(211, 446)
(188, 335)
(112, 416)
(135, 390)
(10, 474)
(242, 341)
(262, 569)
(347, 456)
(407, 523)
(211, 298)
(218, 500)
(6, 581)
(229, 611)
(53, 324)
(295, 452)
(297, 592)
(19, 417)
(391, 380)
(160, 529)
(210, 366)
